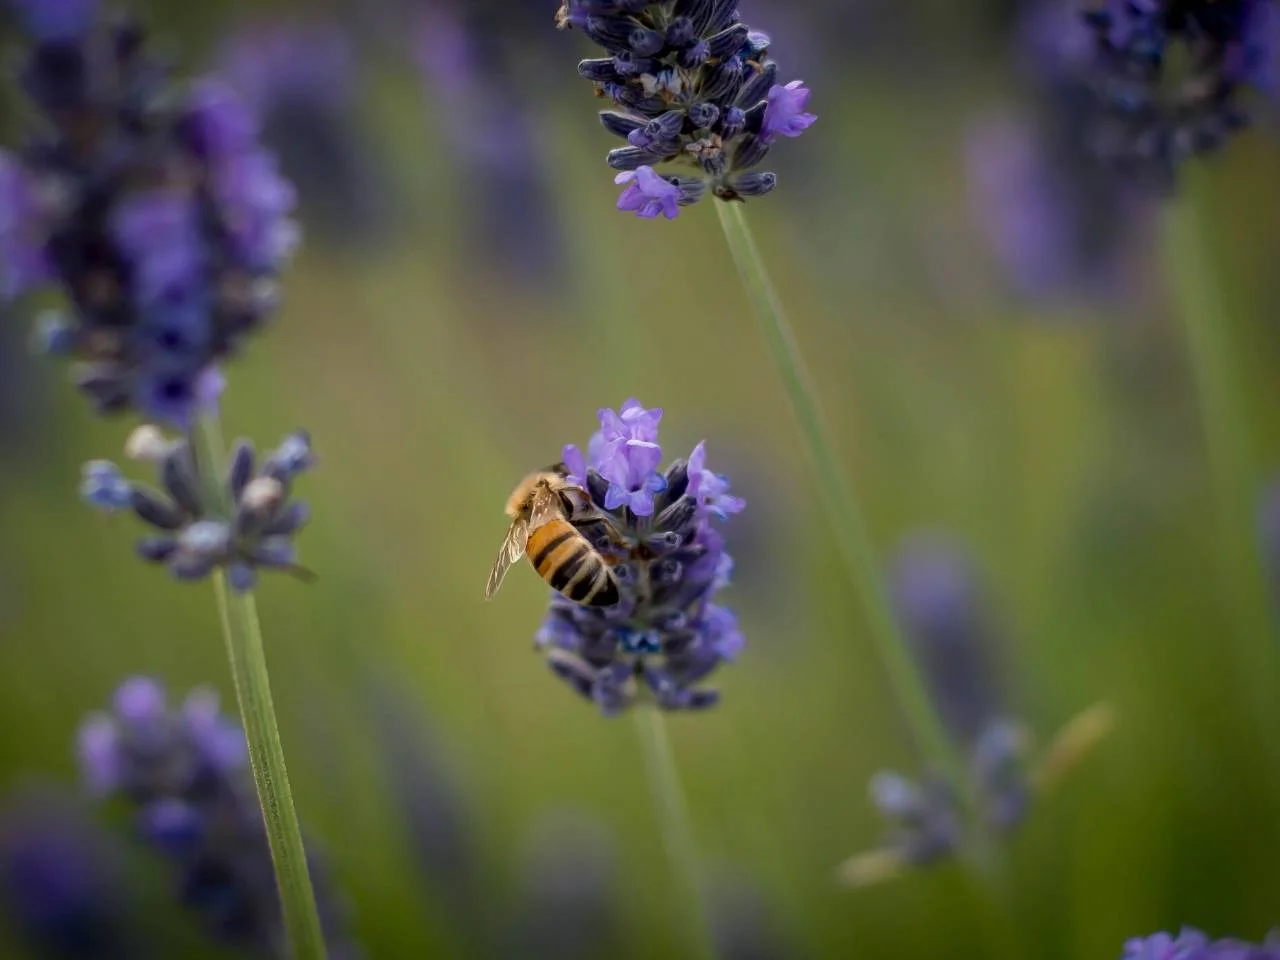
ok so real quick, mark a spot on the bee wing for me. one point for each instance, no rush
(546, 506)
(512, 547)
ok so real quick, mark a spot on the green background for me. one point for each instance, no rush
(1060, 443)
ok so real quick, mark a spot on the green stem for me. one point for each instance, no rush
(1233, 461)
(673, 816)
(243, 636)
(838, 496)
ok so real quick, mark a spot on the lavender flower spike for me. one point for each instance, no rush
(193, 536)
(666, 635)
(184, 771)
(1191, 944)
(148, 203)
(696, 89)
(1154, 122)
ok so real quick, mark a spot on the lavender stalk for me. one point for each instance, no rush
(243, 635)
(677, 831)
(837, 492)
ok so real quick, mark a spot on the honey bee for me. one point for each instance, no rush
(544, 508)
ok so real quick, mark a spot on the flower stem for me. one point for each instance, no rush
(838, 495)
(673, 815)
(243, 635)
(1233, 463)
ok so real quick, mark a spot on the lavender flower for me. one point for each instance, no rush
(196, 535)
(185, 773)
(937, 603)
(497, 142)
(1191, 944)
(300, 78)
(567, 890)
(1269, 535)
(62, 881)
(149, 203)
(696, 89)
(1058, 220)
(666, 635)
(1153, 120)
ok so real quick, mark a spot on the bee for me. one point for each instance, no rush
(544, 509)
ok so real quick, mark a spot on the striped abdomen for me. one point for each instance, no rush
(566, 559)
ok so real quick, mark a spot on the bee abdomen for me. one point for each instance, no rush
(565, 559)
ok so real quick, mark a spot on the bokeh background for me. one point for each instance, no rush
(467, 297)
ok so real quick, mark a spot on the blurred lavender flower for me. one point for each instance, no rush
(150, 204)
(743, 927)
(300, 79)
(946, 624)
(1269, 535)
(196, 536)
(504, 172)
(1058, 219)
(697, 89)
(62, 881)
(185, 773)
(565, 907)
(1173, 76)
(436, 813)
(670, 562)
(1191, 944)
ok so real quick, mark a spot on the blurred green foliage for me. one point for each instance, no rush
(1063, 446)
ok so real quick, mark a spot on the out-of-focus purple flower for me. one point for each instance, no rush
(742, 925)
(648, 194)
(1153, 121)
(57, 20)
(23, 265)
(565, 909)
(62, 881)
(1061, 224)
(947, 626)
(785, 116)
(441, 835)
(1269, 535)
(193, 537)
(300, 78)
(665, 636)
(500, 149)
(696, 89)
(1191, 944)
(185, 772)
(152, 207)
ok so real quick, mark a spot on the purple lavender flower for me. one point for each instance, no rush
(62, 881)
(1191, 944)
(1152, 122)
(648, 194)
(567, 893)
(696, 89)
(58, 20)
(151, 205)
(784, 115)
(1269, 535)
(184, 771)
(666, 635)
(195, 536)
(300, 78)
(499, 146)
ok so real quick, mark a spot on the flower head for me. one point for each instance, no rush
(61, 880)
(1191, 944)
(1154, 119)
(184, 771)
(696, 89)
(150, 204)
(665, 636)
(194, 536)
